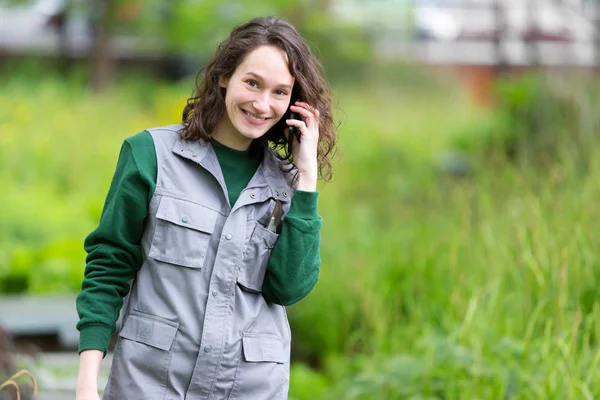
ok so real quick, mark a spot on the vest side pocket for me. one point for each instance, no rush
(141, 362)
(183, 231)
(256, 257)
(263, 367)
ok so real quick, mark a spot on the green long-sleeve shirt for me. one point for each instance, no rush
(114, 247)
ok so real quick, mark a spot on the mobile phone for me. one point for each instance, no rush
(292, 130)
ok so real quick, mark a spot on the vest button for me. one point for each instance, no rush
(207, 349)
(228, 236)
(214, 293)
(185, 219)
(252, 195)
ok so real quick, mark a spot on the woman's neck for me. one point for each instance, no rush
(226, 134)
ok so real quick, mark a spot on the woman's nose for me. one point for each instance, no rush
(261, 103)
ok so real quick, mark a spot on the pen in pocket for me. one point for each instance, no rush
(275, 220)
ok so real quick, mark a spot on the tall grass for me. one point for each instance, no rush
(431, 286)
(454, 288)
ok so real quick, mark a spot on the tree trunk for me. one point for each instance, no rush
(531, 35)
(596, 39)
(7, 366)
(58, 22)
(500, 64)
(8, 369)
(102, 63)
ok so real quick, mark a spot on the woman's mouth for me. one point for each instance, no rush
(253, 119)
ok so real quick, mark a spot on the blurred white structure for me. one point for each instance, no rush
(29, 29)
(459, 32)
(481, 32)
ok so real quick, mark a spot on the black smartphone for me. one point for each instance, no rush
(292, 130)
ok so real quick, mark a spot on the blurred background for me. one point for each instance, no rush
(459, 246)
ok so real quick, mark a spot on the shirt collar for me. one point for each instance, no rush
(272, 171)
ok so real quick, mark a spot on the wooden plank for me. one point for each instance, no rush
(41, 315)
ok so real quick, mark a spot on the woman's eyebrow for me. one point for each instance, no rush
(260, 78)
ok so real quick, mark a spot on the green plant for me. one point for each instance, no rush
(430, 288)
(539, 118)
(12, 383)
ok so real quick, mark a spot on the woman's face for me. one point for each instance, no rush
(257, 96)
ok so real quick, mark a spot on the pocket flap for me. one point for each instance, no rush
(256, 258)
(260, 347)
(150, 330)
(187, 214)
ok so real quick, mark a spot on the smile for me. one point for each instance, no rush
(253, 119)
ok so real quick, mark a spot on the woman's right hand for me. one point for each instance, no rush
(87, 380)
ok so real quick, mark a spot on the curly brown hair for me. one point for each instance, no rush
(204, 110)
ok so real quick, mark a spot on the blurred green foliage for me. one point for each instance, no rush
(539, 119)
(432, 286)
(189, 31)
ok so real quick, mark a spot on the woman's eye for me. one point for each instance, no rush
(252, 83)
(281, 92)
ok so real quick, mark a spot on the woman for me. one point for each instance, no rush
(208, 232)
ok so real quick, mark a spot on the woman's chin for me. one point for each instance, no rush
(253, 132)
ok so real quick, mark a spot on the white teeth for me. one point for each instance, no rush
(253, 117)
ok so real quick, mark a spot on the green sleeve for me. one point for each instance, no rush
(114, 252)
(293, 268)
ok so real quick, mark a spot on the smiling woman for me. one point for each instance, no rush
(276, 49)
(210, 231)
(255, 103)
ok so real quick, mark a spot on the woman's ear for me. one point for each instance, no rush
(223, 81)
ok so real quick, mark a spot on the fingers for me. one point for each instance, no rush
(307, 122)
(305, 109)
(307, 106)
(310, 113)
(297, 123)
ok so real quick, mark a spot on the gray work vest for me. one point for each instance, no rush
(195, 325)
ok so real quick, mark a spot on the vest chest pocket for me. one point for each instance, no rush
(256, 257)
(183, 231)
